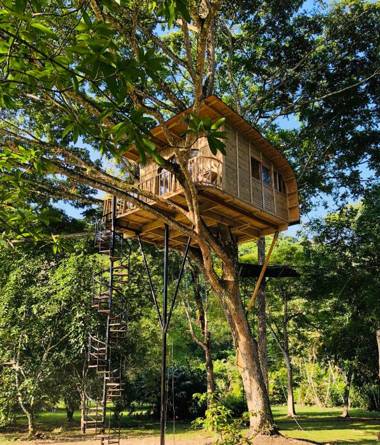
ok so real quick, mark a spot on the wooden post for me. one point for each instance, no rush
(262, 273)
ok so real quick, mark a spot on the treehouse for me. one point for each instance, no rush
(251, 188)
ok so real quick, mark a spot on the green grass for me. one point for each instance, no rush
(326, 425)
(318, 424)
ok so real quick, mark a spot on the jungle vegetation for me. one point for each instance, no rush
(80, 82)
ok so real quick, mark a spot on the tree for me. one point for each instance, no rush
(343, 278)
(317, 68)
(203, 338)
(44, 325)
(102, 74)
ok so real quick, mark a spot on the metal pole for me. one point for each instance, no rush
(164, 337)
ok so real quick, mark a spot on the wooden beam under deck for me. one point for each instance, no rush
(245, 221)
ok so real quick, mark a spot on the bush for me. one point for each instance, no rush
(366, 397)
(182, 383)
(229, 386)
(219, 419)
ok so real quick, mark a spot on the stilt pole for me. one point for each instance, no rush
(164, 317)
(164, 337)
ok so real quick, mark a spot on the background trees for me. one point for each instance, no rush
(85, 80)
(44, 325)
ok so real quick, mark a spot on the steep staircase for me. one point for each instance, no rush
(109, 302)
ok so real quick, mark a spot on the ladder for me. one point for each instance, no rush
(109, 302)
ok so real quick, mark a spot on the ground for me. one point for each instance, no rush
(315, 424)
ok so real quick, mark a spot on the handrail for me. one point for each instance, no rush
(205, 170)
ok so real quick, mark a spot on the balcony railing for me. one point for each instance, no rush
(204, 170)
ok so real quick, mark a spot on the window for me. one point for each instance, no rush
(267, 177)
(255, 168)
(279, 183)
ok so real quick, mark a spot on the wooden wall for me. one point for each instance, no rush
(230, 172)
(237, 176)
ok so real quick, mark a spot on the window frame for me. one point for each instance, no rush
(259, 170)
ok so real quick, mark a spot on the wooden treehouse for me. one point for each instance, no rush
(252, 188)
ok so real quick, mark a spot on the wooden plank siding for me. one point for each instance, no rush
(244, 169)
(230, 179)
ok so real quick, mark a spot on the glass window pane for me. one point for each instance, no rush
(267, 177)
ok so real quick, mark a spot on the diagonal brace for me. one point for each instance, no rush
(166, 326)
(152, 291)
(262, 273)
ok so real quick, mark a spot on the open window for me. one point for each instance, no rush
(279, 183)
(256, 169)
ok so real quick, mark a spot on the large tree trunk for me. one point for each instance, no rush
(261, 315)
(247, 351)
(260, 414)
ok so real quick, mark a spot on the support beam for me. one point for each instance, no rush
(164, 337)
(262, 273)
(164, 315)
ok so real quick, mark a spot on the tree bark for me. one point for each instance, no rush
(284, 347)
(290, 392)
(209, 370)
(82, 411)
(227, 288)
(30, 417)
(260, 414)
(346, 396)
(288, 362)
(202, 321)
(261, 315)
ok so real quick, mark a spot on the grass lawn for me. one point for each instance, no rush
(325, 425)
(319, 424)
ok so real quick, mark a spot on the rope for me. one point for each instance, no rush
(299, 426)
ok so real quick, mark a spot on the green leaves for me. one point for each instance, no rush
(175, 9)
(41, 27)
(204, 126)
